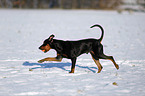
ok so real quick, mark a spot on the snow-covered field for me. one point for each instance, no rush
(23, 31)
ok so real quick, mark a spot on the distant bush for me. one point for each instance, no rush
(65, 4)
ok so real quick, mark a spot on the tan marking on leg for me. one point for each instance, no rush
(98, 64)
(116, 65)
(53, 59)
(72, 70)
(50, 59)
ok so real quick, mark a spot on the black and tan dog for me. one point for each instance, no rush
(73, 49)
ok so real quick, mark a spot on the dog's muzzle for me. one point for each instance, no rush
(42, 50)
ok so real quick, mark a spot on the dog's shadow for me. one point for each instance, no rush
(57, 65)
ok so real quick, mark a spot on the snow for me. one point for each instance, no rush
(23, 31)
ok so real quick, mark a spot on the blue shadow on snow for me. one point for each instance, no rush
(57, 65)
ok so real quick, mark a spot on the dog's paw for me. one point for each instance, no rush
(117, 66)
(71, 72)
(40, 61)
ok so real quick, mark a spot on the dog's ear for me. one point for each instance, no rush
(51, 38)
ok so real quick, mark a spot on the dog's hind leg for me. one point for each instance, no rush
(96, 60)
(58, 58)
(109, 58)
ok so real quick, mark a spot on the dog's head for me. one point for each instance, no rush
(45, 47)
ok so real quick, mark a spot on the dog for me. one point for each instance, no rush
(73, 49)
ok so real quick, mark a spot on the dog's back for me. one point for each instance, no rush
(75, 48)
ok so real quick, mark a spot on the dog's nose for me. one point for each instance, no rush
(40, 47)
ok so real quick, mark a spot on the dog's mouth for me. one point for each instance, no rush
(44, 51)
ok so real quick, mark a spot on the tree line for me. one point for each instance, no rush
(64, 4)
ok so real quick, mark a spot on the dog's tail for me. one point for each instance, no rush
(100, 39)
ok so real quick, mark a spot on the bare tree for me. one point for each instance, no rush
(2, 3)
(35, 3)
(8, 3)
(67, 4)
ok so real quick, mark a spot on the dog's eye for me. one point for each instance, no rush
(44, 44)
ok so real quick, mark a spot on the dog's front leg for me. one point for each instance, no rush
(58, 58)
(73, 65)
